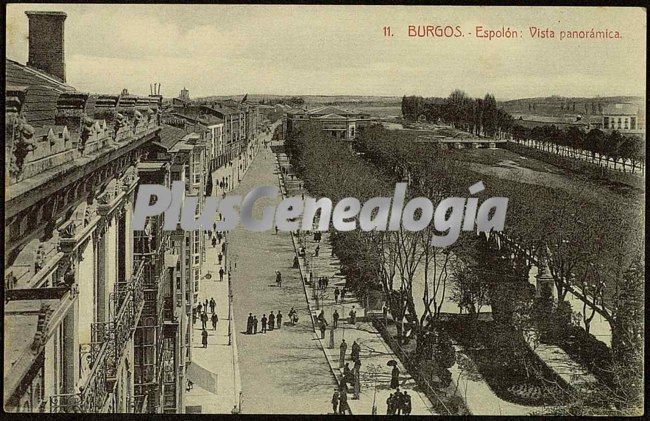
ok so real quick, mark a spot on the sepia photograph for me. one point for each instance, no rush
(313, 210)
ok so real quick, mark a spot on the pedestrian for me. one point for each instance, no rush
(199, 307)
(343, 294)
(398, 402)
(322, 329)
(271, 321)
(342, 350)
(406, 403)
(213, 304)
(220, 257)
(214, 242)
(316, 250)
(215, 319)
(221, 272)
(219, 235)
(355, 351)
(353, 316)
(279, 319)
(205, 305)
(204, 320)
(264, 323)
(193, 316)
(278, 278)
(357, 364)
(204, 337)
(343, 402)
(335, 401)
(321, 316)
(249, 324)
(223, 247)
(254, 325)
(335, 319)
(276, 230)
(394, 378)
(336, 295)
(390, 405)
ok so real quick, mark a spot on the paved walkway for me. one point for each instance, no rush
(283, 371)
(214, 372)
(375, 353)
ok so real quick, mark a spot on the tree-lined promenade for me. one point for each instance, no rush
(581, 244)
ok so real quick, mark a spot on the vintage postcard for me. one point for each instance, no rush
(324, 209)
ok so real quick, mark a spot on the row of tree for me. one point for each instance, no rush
(573, 142)
(478, 116)
(593, 247)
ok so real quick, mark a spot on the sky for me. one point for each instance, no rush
(341, 50)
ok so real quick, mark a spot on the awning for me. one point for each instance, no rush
(202, 377)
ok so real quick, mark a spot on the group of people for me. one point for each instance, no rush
(323, 281)
(201, 312)
(340, 402)
(339, 294)
(398, 403)
(268, 323)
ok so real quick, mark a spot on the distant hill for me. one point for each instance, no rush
(316, 99)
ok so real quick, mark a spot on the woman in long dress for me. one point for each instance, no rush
(394, 380)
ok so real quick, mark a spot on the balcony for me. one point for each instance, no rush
(109, 340)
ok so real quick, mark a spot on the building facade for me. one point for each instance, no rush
(337, 122)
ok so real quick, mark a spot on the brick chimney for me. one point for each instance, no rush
(46, 50)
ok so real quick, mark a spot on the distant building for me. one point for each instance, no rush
(185, 95)
(338, 122)
(621, 117)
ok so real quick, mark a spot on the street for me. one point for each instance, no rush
(284, 370)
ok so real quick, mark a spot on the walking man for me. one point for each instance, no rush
(356, 350)
(335, 401)
(406, 403)
(342, 350)
(390, 405)
(278, 278)
(398, 402)
(213, 304)
(263, 323)
(353, 316)
(343, 402)
(221, 272)
(336, 295)
(204, 337)
(254, 325)
(322, 329)
(279, 318)
(335, 319)
(215, 319)
(343, 291)
(220, 257)
(249, 324)
(271, 321)
(316, 250)
(204, 320)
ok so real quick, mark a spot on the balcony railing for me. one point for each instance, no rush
(109, 340)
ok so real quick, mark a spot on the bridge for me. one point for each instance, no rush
(445, 142)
